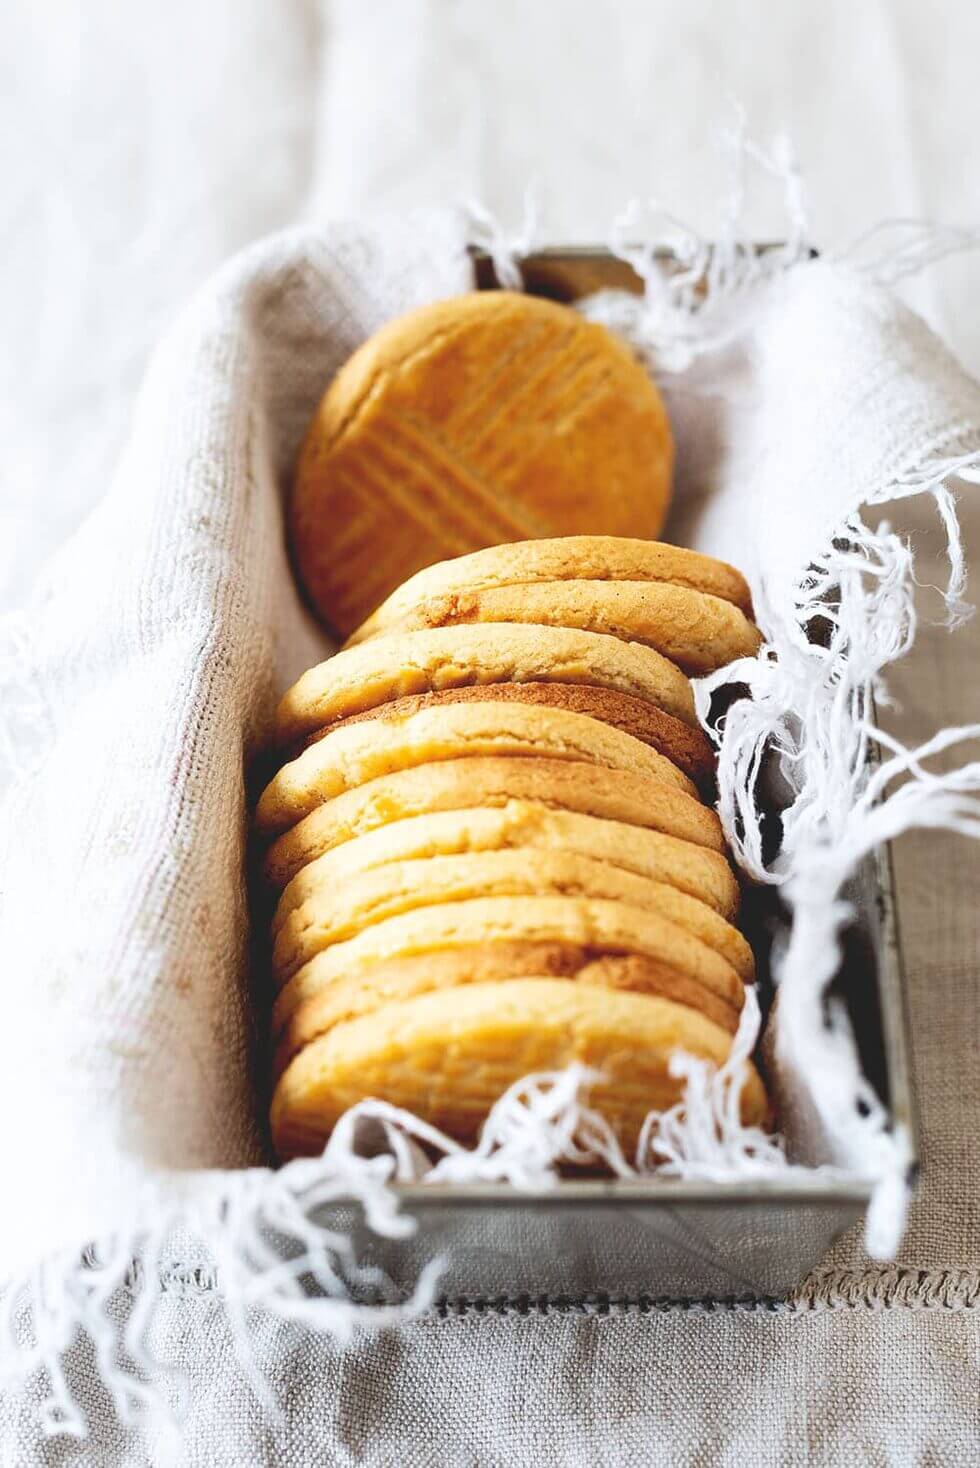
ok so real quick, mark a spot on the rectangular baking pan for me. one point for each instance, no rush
(662, 1239)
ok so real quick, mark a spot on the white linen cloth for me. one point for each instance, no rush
(141, 146)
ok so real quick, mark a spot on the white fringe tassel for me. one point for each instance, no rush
(812, 708)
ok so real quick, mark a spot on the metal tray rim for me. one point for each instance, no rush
(813, 1189)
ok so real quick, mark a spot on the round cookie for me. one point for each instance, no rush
(698, 632)
(636, 800)
(685, 747)
(489, 417)
(448, 1056)
(520, 824)
(350, 756)
(568, 558)
(335, 912)
(450, 657)
(607, 926)
(349, 997)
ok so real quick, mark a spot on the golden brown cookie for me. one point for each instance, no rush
(569, 558)
(608, 926)
(448, 1056)
(486, 418)
(350, 997)
(685, 747)
(569, 785)
(336, 911)
(453, 657)
(351, 756)
(698, 632)
(640, 974)
(520, 824)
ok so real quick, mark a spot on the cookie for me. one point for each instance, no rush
(336, 911)
(351, 756)
(452, 657)
(608, 926)
(685, 747)
(350, 997)
(636, 800)
(490, 417)
(448, 1056)
(521, 825)
(698, 632)
(569, 558)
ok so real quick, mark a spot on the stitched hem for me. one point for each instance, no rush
(873, 1290)
(868, 1289)
(886, 1289)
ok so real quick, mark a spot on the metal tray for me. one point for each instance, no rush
(663, 1239)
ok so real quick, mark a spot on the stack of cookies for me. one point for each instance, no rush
(490, 843)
